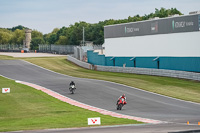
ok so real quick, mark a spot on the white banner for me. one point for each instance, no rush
(94, 121)
(5, 90)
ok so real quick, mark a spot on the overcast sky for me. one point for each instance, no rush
(45, 15)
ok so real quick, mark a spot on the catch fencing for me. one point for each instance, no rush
(10, 47)
(56, 49)
(80, 52)
(45, 48)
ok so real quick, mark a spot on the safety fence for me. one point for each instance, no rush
(10, 47)
(56, 49)
(80, 52)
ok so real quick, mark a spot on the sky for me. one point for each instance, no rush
(45, 15)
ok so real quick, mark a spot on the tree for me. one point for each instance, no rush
(173, 11)
(18, 37)
(19, 27)
(63, 40)
(166, 12)
(5, 36)
(52, 38)
(35, 42)
(36, 33)
(55, 30)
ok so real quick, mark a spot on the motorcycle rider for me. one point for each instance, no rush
(124, 97)
(72, 83)
(72, 87)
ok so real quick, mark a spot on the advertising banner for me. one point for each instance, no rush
(151, 27)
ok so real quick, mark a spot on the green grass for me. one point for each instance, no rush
(173, 87)
(26, 108)
(4, 57)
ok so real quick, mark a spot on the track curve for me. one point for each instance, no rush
(103, 94)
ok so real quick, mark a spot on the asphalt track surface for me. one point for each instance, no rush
(104, 94)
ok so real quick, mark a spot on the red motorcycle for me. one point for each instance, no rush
(120, 103)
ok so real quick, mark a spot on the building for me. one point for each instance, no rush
(167, 37)
(163, 43)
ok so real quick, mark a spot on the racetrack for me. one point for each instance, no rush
(104, 94)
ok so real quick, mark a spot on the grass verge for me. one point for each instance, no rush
(26, 108)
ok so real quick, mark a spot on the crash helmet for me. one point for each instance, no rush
(123, 95)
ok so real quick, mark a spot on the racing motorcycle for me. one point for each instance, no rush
(120, 103)
(72, 89)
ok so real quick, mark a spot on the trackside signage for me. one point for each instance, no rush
(94, 121)
(5, 90)
(178, 24)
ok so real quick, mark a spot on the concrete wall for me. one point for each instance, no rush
(79, 63)
(155, 72)
(146, 71)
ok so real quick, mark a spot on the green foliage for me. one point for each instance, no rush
(5, 36)
(166, 12)
(62, 40)
(9, 37)
(36, 33)
(35, 41)
(18, 37)
(52, 37)
(19, 27)
(73, 34)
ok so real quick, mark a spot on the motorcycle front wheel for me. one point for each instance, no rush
(71, 90)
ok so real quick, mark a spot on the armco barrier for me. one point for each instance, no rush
(146, 71)
(154, 72)
(79, 63)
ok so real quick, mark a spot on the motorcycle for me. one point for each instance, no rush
(72, 89)
(120, 103)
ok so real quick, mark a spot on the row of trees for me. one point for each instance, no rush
(72, 35)
(16, 35)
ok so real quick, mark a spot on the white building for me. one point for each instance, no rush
(177, 36)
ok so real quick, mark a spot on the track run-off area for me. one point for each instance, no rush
(101, 96)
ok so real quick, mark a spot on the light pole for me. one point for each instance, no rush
(83, 35)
